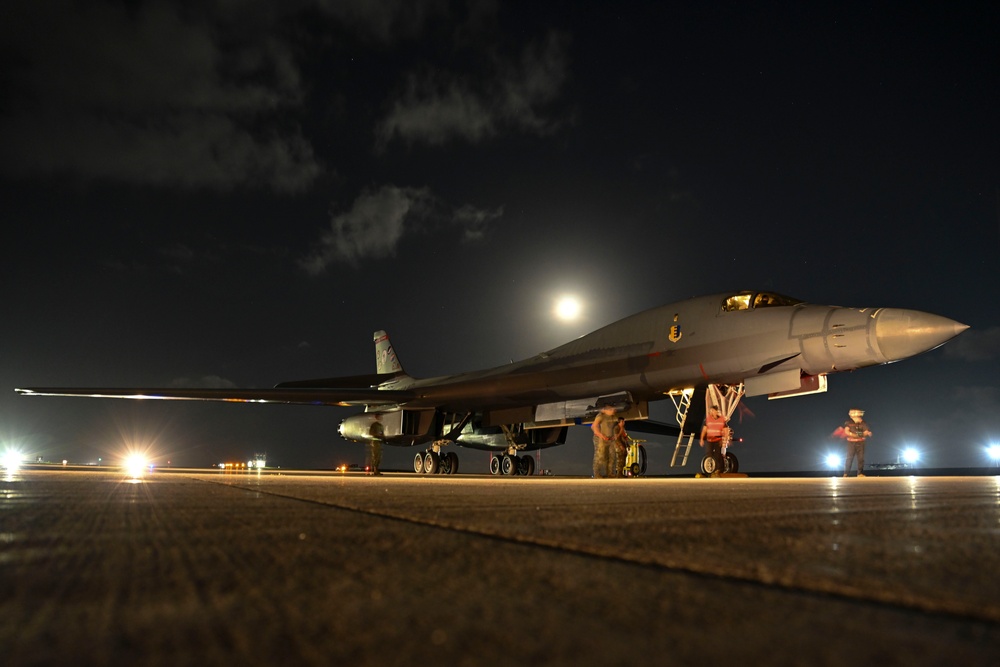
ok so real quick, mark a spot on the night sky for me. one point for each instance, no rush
(221, 194)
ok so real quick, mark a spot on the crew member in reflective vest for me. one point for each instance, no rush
(712, 432)
(857, 432)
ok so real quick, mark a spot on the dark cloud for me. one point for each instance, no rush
(150, 94)
(475, 222)
(438, 107)
(379, 219)
(372, 228)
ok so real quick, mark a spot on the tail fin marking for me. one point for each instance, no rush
(386, 362)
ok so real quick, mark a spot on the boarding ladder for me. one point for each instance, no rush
(682, 401)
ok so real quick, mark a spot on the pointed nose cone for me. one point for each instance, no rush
(904, 333)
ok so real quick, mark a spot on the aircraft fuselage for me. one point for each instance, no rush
(696, 342)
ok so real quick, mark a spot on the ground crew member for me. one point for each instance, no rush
(376, 433)
(856, 431)
(712, 431)
(604, 435)
(621, 448)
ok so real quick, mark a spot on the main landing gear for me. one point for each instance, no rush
(512, 464)
(432, 462)
(509, 463)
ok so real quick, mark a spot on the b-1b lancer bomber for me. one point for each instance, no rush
(730, 345)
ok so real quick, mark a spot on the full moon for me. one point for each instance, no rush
(568, 308)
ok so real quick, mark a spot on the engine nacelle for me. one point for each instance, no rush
(400, 427)
(357, 428)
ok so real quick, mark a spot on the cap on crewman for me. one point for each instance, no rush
(855, 412)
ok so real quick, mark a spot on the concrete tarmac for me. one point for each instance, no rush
(207, 568)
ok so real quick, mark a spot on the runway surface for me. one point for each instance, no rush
(213, 568)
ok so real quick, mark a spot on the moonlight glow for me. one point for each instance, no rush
(568, 308)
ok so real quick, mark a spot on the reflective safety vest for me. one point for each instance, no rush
(855, 431)
(715, 426)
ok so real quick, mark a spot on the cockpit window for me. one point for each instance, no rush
(770, 299)
(739, 301)
(747, 300)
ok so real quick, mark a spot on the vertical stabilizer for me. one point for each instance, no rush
(386, 362)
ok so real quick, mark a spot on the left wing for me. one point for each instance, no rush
(286, 395)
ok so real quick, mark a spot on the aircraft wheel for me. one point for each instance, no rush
(709, 465)
(732, 463)
(431, 463)
(418, 463)
(634, 470)
(508, 465)
(494, 465)
(526, 466)
(452, 463)
(642, 459)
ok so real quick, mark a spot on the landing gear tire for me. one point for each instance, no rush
(642, 460)
(452, 459)
(494, 465)
(732, 463)
(508, 465)
(418, 463)
(525, 466)
(710, 465)
(431, 463)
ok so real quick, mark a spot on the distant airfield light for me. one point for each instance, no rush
(993, 451)
(568, 308)
(12, 458)
(911, 455)
(135, 465)
(833, 461)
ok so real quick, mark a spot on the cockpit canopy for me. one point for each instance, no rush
(748, 300)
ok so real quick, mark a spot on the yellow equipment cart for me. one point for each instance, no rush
(635, 458)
